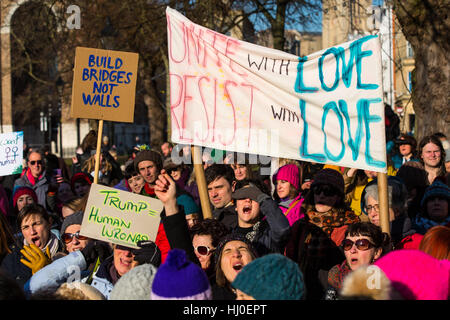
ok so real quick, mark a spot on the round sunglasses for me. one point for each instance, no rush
(203, 250)
(361, 244)
(68, 237)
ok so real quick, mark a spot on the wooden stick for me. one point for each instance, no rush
(201, 181)
(99, 147)
(383, 202)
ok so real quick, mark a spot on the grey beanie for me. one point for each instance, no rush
(74, 218)
(136, 284)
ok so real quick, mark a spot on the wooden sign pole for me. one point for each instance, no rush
(383, 202)
(201, 181)
(99, 148)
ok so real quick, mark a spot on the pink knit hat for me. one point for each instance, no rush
(289, 173)
(416, 275)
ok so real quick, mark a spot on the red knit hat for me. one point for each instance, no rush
(80, 176)
(20, 191)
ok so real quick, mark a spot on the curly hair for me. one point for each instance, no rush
(212, 227)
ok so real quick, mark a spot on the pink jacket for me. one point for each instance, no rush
(294, 213)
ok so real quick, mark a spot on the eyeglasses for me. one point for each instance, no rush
(33, 162)
(326, 190)
(68, 237)
(376, 207)
(203, 250)
(361, 244)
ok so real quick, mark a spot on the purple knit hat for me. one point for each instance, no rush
(416, 275)
(289, 173)
(179, 279)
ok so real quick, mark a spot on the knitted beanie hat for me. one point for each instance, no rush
(188, 204)
(271, 277)
(437, 188)
(289, 173)
(81, 176)
(74, 218)
(330, 177)
(20, 191)
(416, 275)
(232, 237)
(148, 155)
(136, 284)
(179, 279)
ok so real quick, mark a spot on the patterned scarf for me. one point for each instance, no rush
(337, 274)
(332, 219)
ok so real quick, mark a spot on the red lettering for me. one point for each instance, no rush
(204, 106)
(169, 30)
(251, 109)
(174, 105)
(227, 94)
(185, 99)
(190, 35)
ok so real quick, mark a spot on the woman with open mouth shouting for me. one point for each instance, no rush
(363, 245)
(36, 245)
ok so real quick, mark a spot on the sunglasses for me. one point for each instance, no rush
(326, 190)
(203, 250)
(361, 244)
(33, 162)
(67, 237)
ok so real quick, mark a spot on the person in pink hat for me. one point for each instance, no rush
(287, 182)
(416, 275)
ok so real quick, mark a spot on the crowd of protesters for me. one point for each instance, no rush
(307, 231)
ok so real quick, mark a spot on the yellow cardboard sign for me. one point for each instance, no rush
(120, 217)
(104, 84)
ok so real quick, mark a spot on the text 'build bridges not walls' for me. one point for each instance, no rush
(236, 96)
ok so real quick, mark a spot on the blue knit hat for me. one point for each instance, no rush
(179, 279)
(188, 204)
(271, 277)
(437, 188)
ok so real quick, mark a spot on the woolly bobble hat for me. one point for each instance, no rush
(289, 173)
(437, 188)
(366, 282)
(188, 204)
(148, 155)
(271, 277)
(136, 284)
(330, 177)
(75, 218)
(179, 279)
(20, 191)
(416, 275)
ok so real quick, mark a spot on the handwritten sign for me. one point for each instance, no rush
(104, 84)
(120, 217)
(233, 95)
(11, 153)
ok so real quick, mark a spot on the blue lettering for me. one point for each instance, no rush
(87, 99)
(116, 100)
(332, 106)
(317, 157)
(118, 63)
(299, 85)
(85, 74)
(91, 60)
(359, 56)
(353, 143)
(336, 54)
(368, 118)
(129, 74)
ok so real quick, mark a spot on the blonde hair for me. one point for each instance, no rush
(89, 165)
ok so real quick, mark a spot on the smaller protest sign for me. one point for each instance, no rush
(104, 84)
(11, 153)
(120, 217)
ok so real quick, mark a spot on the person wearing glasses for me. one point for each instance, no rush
(35, 246)
(325, 204)
(400, 225)
(35, 176)
(363, 245)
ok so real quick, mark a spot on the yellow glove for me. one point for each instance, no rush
(36, 258)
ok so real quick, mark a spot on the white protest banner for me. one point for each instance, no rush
(120, 217)
(11, 153)
(236, 96)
